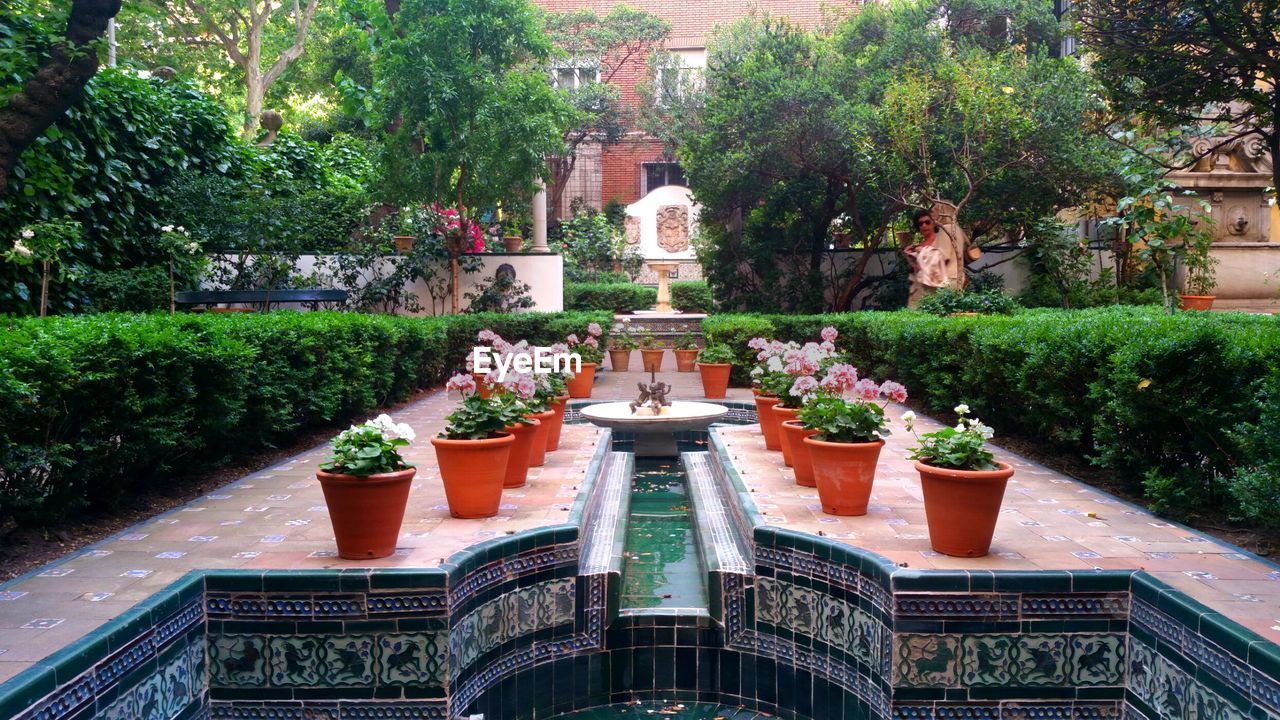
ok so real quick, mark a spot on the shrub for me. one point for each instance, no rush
(612, 297)
(1170, 403)
(95, 408)
(139, 289)
(948, 302)
(691, 297)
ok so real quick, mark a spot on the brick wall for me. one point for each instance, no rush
(692, 21)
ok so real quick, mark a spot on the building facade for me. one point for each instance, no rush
(627, 171)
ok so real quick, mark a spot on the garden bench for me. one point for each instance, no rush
(258, 297)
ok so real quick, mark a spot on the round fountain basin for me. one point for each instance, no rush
(678, 417)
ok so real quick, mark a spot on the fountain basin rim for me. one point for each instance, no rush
(684, 416)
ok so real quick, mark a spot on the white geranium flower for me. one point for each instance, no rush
(404, 431)
(28, 234)
(21, 249)
(962, 409)
(166, 229)
(908, 417)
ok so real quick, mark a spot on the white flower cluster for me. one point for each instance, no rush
(391, 429)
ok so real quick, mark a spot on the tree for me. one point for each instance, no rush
(594, 50)
(243, 30)
(56, 84)
(896, 109)
(465, 89)
(1191, 62)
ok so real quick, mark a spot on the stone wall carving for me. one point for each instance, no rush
(673, 228)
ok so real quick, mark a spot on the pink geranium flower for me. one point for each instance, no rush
(894, 391)
(462, 383)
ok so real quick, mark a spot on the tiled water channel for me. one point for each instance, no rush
(662, 567)
(534, 625)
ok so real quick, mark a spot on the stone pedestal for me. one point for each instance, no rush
(662, 269)
(540, 219)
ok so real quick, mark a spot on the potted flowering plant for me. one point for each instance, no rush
(651, 352)
(558, 389)
(622, 343)
(963, 484)
(842, 230)
(497, 347)
(589, 350)
(850, 426)
(686, 352)
(526, 427)
(473, 450)
(366, 486)
(715, 362)
(778, 367)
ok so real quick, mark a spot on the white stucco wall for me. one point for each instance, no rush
(646, 208)
(542, 272)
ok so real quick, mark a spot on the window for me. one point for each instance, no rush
(661, 173)
(683, 75)
(574, 76)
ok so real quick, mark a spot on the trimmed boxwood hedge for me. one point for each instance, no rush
(693, 296)
(1154, 397)
(94, 409)
(610, 297)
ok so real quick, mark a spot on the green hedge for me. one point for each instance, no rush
(610, 297)
(96, 408)
(1156, 398)
(693, 296)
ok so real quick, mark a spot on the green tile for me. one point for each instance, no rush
(909, 580)
(1033, 581)
(306, 581)
(1101, 580)
(24, 689)
(233, 581)
(1228, 634)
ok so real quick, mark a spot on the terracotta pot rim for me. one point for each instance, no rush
(1198, 297)
(716, 365)
(1004, 471)
(825, 443)
(684, 350)
(395, 476)
(502, 439)
(540, 416)
(798, 424)
(767, 399)
(524, 427)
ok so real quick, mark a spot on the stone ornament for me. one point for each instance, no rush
(673, 228)
(632, 228)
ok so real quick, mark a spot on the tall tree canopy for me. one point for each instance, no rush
(902, 105)
(465, 85)
(1188, 62)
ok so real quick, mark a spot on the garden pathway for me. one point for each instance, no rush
(276, 519)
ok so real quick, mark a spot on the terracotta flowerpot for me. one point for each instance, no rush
(768, 424)
(961, 507)
(620, 360)
(685, 359)
(555, 423)
(651, 359)
(781, 415)
(538, 457)
(512, 243)
(472, 472)
(844, 473)
(715, 379)
(580, 385)
(366, 512)
(521, 453)
(404, 243)
(1197, 302)
(795, 432)
(483, 388)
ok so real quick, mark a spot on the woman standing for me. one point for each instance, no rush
(937, 261)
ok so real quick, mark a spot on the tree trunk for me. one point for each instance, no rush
(453, 282)
(44, 287)
(56, 85)
(254, 89)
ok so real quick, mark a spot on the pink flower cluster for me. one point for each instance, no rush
(522, 385)
(461, 383)
(453, 220)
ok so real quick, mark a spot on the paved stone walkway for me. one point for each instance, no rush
(276, 519)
